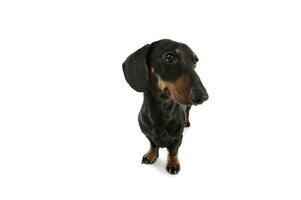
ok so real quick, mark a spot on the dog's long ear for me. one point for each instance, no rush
(135, 69)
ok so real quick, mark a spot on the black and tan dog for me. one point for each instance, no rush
(164, 72)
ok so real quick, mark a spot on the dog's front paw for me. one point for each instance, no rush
(173, 164)
(150, 157)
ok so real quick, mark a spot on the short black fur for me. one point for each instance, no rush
(164, 72)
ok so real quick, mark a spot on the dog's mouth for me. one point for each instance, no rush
(178, 91)
(179, 97)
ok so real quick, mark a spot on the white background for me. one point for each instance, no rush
(68, 119)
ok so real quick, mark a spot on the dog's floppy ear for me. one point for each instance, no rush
(135, 69)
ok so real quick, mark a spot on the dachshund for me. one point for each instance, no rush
(165, 72)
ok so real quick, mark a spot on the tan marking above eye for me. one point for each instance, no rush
(177, 51)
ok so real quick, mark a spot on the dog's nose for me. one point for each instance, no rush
(199, 98)
(205, 97)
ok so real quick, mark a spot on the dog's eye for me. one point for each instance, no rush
(169, 57)
(194, 60)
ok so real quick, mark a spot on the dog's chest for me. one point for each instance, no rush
(164, 124)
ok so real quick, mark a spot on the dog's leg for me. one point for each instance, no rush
(173, 164)
(187, 123)
(151, 156)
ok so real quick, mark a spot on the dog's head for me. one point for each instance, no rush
(172, 65)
